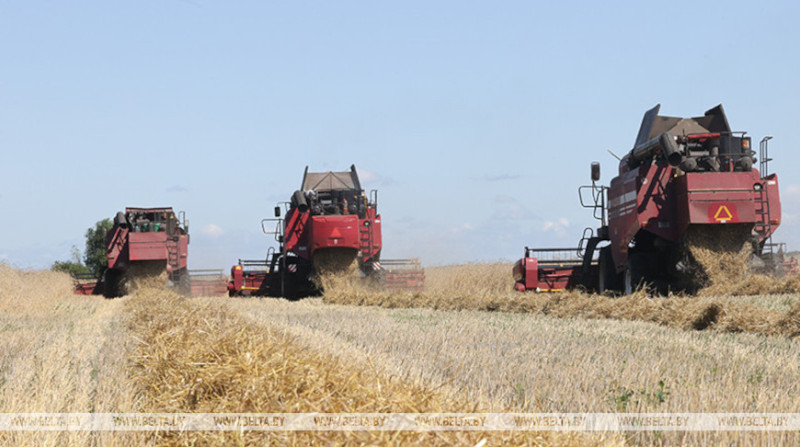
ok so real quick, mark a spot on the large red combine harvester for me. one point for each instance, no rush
(142, 242)
(330, 225)
(686, 180)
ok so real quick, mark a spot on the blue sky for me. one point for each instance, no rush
(476, 121)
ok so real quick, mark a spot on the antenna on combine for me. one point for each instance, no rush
(614, 155)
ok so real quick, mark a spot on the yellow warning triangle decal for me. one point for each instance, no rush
(723, 213)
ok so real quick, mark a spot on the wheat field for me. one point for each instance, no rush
(466, 344)
(61, 352)
(155, 351)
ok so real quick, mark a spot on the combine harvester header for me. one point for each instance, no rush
(686, 179)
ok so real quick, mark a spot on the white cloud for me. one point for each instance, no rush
(504, 198)
(365, 176)
(500, 178)
(460, 229)
(456, 231)
(791, 192)
(558, 227)
(212, 230)
(790, 219)
(177, 188)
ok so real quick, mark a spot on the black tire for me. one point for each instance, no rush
(627, 280)
(114, 283)
(633, 276)
(607, 277)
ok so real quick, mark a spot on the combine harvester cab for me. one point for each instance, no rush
(687, 182)
(143, 242)
(330, 225)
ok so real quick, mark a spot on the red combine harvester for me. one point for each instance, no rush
(685, 178)
(143, 241)
(329, 225)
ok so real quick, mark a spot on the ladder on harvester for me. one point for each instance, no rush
(173, 256)
(764, 225)
(365, 232)
(365, 240)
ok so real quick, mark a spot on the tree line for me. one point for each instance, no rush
(94, 256)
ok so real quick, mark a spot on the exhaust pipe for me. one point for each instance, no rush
(665, 143)
(671, 149)
(299, 201)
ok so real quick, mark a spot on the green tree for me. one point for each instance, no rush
(74, 266)
(94, 258)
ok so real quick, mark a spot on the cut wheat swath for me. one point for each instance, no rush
(201, 357)
(487, 287)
